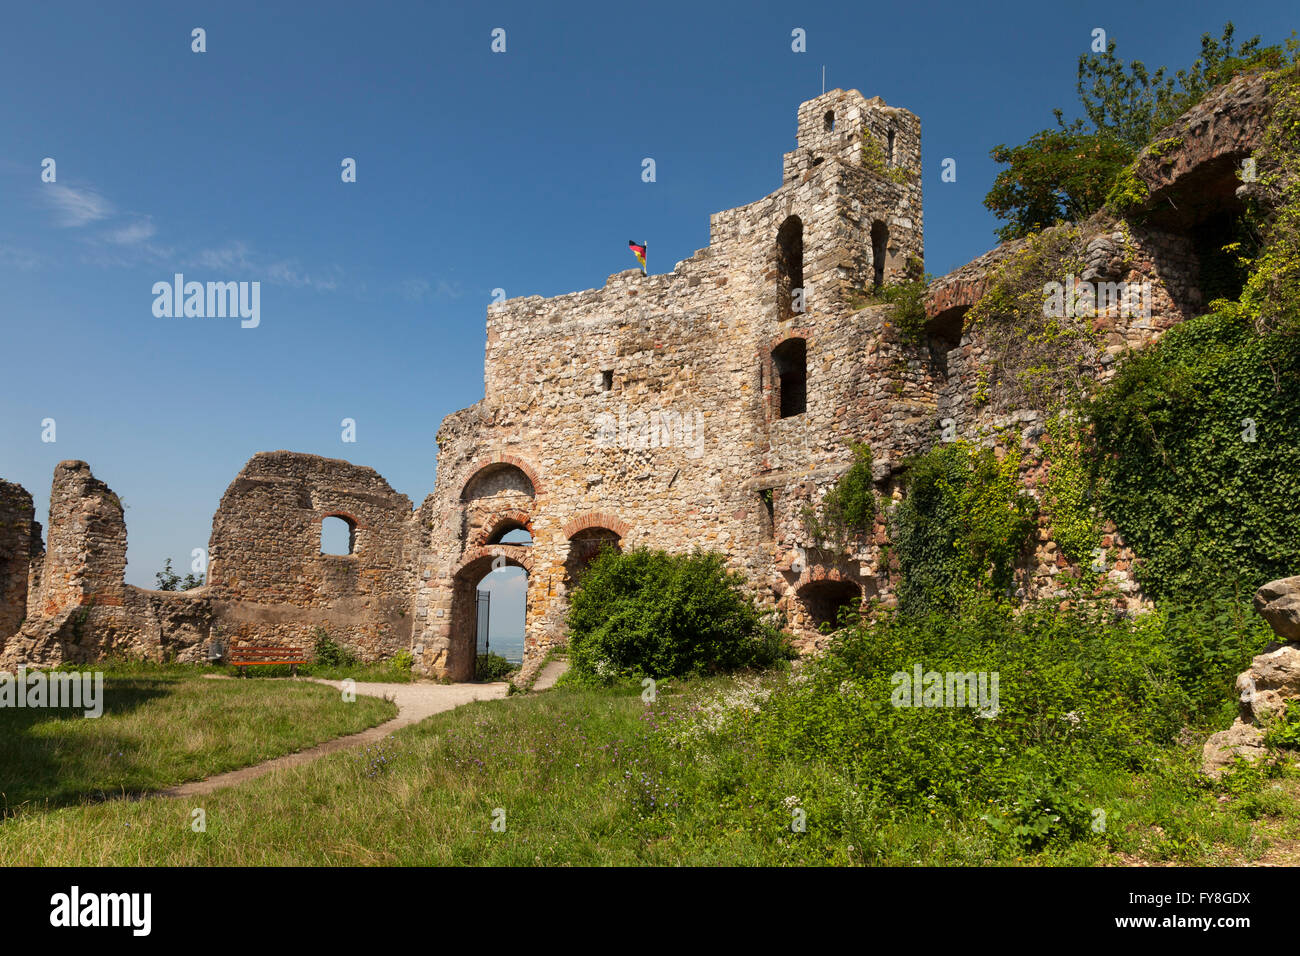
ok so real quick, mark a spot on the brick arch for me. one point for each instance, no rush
(462, 650)
(821, 572)
(516, 554)
(821, 591)
(480, 464)
(350, 518)
(495, 520)
(596, 519)
(803, 332)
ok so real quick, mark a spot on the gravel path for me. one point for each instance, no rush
(414, 703)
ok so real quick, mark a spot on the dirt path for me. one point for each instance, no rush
(414, 703)
(549, 675)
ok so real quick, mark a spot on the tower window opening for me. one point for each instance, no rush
(790, 363)
(789, 266)
(829, 121)
(889, 150)
(879, 245)
(607, 380)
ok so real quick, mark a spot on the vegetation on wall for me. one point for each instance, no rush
(169, 580)
(848, 508)
(1069, 493)
(1272, 290)
(964, 520)
(1197, 456)
(1035, 360)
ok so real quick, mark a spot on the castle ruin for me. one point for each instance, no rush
(701, 408)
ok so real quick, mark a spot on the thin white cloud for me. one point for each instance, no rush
(133, 234)
(286, 273)
(413, 290)
(232, 255)
(74, 208)
(449, 290)
(417, 290)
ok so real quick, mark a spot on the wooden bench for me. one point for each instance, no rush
(243, 657)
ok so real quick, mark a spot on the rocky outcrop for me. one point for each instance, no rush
(1264, 690)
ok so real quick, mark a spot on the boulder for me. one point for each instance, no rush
(1279, 604)
(1240, 740)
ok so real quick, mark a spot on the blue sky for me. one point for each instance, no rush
(475, 170)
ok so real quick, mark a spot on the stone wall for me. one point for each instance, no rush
(268, 581)
(78, 607)
(19, 535)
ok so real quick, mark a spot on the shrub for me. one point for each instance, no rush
(492, 667)
(647, 612)
(848, 508)
(169, 580)
(1079, 692)
(329, 653)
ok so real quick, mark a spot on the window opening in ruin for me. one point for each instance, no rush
(766, 496)
(511, 534)
(789, 266)
(829, 120)
(1220, 274)
(607, 379)
(889, 150)
(583, 548)
(823, 601)
(879, 243)
(790, 363)
(338, 535)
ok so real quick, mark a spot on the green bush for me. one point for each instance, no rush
(329, 653)
(651, 613)
(492, 667)
(848, 508)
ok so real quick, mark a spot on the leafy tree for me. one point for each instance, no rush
(169, 580)
(1066, 173)
(1131, 104)
(1058, 175)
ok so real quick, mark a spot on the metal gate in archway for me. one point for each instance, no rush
(483, 614)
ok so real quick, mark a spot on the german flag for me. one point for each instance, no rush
(638, 250)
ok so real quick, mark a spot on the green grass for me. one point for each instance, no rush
(584, 777)
(163, 725)
(380, 672)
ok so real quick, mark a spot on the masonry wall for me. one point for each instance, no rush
(268, 581)
(651, 412)
(16, 554)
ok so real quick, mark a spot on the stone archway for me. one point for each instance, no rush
(588, 534)
(819, 595)
(463, 630)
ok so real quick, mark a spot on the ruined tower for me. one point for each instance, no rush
(698, 408)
